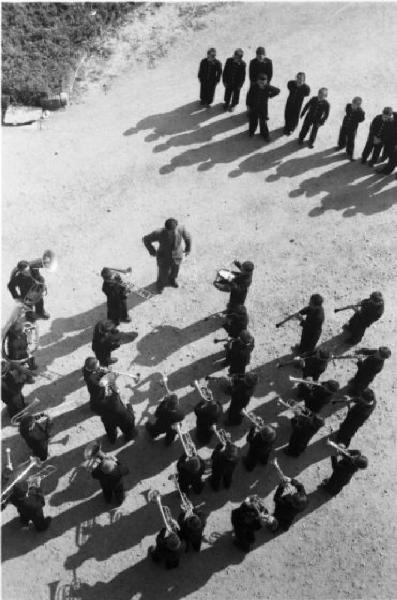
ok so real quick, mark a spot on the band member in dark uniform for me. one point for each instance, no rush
(240, 285)
(167, 414)
(224, 460)
(315, 364)
(192, 528)
(317, 396)
(368, 311)
(363, 407)
(261, 441)
(288, 504)
(93, 374)
(36, 431)
(116, 293)
(29, 502)
(208, 413)
(298, 90)
(368, 368)
(209, 75)
(17, 344)
(343, 469)
(390, 150)
(242, 391)
(246, 519)
(13, 378)
(354, 116)
(376, 136)
(110, 473)
(236, 320)
(312, 325)
(233, 79)
(238, 353)
(190, 473)
(305, 425)
(170, 251)
(106, 338)
(317, 113)
(114, 414)
(260, 65)
(23, 277)
(168, 549)
(257, 103)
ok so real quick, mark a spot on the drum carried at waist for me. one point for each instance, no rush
(224, 279)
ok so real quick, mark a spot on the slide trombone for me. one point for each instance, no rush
(186, 505)
(257, 421)
(170, 524)
(186, 441)
(339, 448)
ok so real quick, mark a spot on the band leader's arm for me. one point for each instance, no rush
(187, 238)
(148, 241)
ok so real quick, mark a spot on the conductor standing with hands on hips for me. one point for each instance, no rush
(170, 251)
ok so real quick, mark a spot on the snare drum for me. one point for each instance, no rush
(223, 280)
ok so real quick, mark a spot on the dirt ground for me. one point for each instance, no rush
(112, 168)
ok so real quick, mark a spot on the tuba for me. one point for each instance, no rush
(170, 524)
(30, 329)
(257, 421)
(204, 391)
(38, 289)
(186, 505)
(186, 441)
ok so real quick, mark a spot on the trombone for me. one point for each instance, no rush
(164, 383)
(170, 524)
(339, 448)
(186, 505)
(186, 441)
(257, 421)
(204, 391)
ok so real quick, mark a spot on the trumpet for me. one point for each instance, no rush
(295, 407)
(286, 480)
(170, 524)
(204, 391)
(220, 340)
(345, 356)
(186, 441)
(305, 381)
(129, 286)
(223, 436)
(22, 413)
(339, 448)
(186, 505)
(289, 318)
(255, 419)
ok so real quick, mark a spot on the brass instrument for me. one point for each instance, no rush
(345, 356)
(255, 419)
(220, 340)
(170, 524)
(263, 513)
(348, 307)
(128, 285)
(36, 479)
(296, 408)
(186, 505)
(93, 455)
(204, 391)
(339, 448)
(305, 381)
(186, 441)
(108, 381)
(32, 462)
(38, 289)
(164, 382)
(223, 436)
(289, 318)
(31, 331)
(25, 411)
(289, 489)
(8, 460)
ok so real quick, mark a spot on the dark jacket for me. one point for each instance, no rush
(370, 311)
(190, 534)
(257, 98)
(105, 340)
(11, 389)
(241, 394)
(234, 73)
(208, 413)
(19, 284)
(246, 517)
(17, 345)
(257, 68)
(314, 366)
(210, 71)
(315, 397)
(352, 118)
(30, 505)
(112, 480)
(235, 323)
(314, 317)
(317, 110)
(260, 443)
(170, 246)
(168, 414)
(223, 462)
(378, 127)
(343, 470)
(285, 511)
(296, 95)
(239, 355)
(367, 370)
(304, 427)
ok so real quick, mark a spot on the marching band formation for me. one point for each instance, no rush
(20, 341)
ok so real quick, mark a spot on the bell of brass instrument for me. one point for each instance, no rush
(48, 261)
(186, 505)
(255, 419)
(93, 455)
(186, 441)
(204, 391)
(287, 480)
(223, 436)
(339, 448)
(31, 331)
(164, 383)
(170, 524)
(25, 411)
(36, 479)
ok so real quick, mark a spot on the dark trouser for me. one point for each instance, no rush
(157, 428)
(291, 118)
(235, 416)
(185, 483)
(345, 434)
(244, 538)
(103, 357)
(254, 117)
(346, 140)
(194, 542)
(334, 485)
(15, 404)
(309, 339)
(371, 147)
(117, 491)
(253, 457)
(204, 433)
(157, 556)
(39, 307)
(283, 523)
(167, 272)
(207, 92)
(307, 123)
(117, 313)
(39, 449)
(38, 519)
(297, 443)
(356, 328)
(232, 95)
(218, 476)
(111, 429)
(392, 162)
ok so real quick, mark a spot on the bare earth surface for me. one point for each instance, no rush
(105, 172)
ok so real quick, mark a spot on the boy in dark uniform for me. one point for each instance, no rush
(110, 473)
(224, 461)
(238, 353)
(241, 393)
(288, 503)
(367, 369)
(257, 103)
(305, 425)
(168, 549)
(16, 341)
(190, 472)
(343, 470)
(29, 502)
(233, 79)
(240, 285)
(209, 75)
(260, 65)
(246, 519)
(315, 364)
(167, 414)
(13, 378)
(363, 407)
(376, 136)
(192, 528)
(312, 325)
(114, 414)
(317, 113)
(116, 294)
(354, 116)
(298, 90)
(36, 431)
(208, 413)
(317, 396)
(261, 441)
(105, 339)
(367, 312)
(236, 320)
